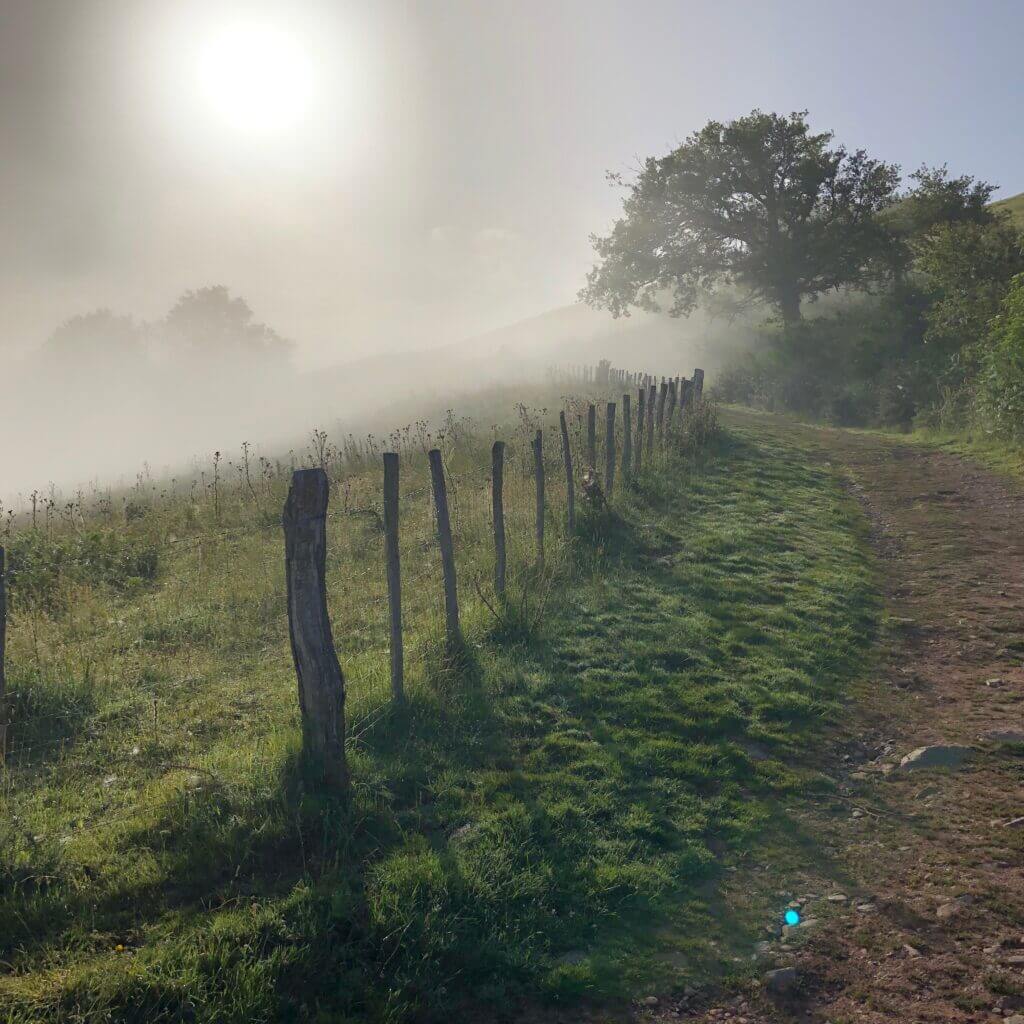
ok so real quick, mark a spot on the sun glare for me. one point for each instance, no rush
(254, 77)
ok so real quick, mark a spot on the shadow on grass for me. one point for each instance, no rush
(549, 813)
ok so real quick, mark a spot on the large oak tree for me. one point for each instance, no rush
(762, 203)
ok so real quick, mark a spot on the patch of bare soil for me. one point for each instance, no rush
(927, 922)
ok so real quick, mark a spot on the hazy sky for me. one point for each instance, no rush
(388, 174)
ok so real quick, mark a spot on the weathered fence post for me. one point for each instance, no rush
(698, 383)
(3, 655)
(627, 440)
(498, 514)
(609, 449)
(592, 438)
(321, 683)
(570, 485)
(538, 472)
(444, 540)
(662, 396)
(652, 394)
(641, 415)
(671, 410)
(394, 573)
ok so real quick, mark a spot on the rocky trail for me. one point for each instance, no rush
(917, 911)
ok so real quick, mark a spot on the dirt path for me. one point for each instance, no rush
(926, 916)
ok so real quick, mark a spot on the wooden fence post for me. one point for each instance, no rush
(321, 683)
(662, 396)
(627, 440)
(444, 540)
(641, 415)
(652, 394)
(498, 514)
(609, 449)
(538, 472)
(592, 438)
(671, 410)
(3, 655)
(698, 383)
(570, 485)
(394, 573)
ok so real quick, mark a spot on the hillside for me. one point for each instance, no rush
(181, 411)
(1014, 205)
(552, 815)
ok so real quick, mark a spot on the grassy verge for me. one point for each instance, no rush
(1006, 457)
(546, 819)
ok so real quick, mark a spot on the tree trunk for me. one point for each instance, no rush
(789, 306)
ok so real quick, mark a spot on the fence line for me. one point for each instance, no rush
(320, 679)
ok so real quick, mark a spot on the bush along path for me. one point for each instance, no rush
(557, 820)
(911, 892)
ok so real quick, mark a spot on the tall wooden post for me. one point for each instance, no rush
(498, 514)
(698, 383)
(687, 397)
(570, 484)
(444, 540)
(394, 574)
(641, 415)
(592, 438)
(321, 683)
(609, 449)
(662, 397)
(627, 440)
(3, 655)
(652, 397)
(671, 410)
(538, 472)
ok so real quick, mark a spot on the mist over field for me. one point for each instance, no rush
(103, 418)
(404, 192)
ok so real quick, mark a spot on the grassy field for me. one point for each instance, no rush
(547, 820)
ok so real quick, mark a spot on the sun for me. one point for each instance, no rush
(255, 77)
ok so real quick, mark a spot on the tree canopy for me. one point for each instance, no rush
(92, 338)
(210, 322)
(761, 202)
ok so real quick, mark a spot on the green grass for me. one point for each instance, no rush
(549, 818)
(1014, 205)
(1000, 454)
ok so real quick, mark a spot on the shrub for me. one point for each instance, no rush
(41, 564)
(1001, 382)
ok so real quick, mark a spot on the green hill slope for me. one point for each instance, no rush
(1014, 206)
(552, 815)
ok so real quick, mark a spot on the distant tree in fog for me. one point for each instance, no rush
(95, 338)
(210, 322)
(761, 202)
